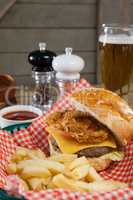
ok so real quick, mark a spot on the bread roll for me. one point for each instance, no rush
(108, 108)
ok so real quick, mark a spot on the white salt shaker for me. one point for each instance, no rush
(68, 67)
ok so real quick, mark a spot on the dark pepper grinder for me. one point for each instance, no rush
(45, 93)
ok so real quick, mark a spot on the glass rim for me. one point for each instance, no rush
(117, 26)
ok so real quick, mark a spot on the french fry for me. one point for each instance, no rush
(53, 166)
(78, 162)
(35, 171)
(80, 172)
(93, 175)
(21, 151)
(15, 158)
(40, 154)
(60, 181)
(24, 185)
(51, 185)
(105, 186)
(20, 154)
(63, 158)
(31, 154)
(11, 168)
(100, 186)
(36, 184)
(45, 181)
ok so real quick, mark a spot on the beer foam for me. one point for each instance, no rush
(116, 39)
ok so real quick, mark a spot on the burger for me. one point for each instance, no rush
(98, 127)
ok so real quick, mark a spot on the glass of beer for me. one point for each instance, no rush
(116, 59)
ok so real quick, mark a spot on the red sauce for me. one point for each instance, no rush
(20, 115)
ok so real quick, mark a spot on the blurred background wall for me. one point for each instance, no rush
(59, 23)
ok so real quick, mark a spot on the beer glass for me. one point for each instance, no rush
(116, 59)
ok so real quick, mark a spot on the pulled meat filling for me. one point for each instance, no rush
(80, 126)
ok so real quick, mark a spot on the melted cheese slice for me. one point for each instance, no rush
(72, 146)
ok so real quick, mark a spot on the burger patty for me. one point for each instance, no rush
(94, 152)
(89, 152)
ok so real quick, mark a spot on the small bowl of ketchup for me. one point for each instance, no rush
(18, 114)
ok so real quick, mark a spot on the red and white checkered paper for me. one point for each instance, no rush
(35, 137)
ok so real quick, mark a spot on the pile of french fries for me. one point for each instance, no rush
(38, 172)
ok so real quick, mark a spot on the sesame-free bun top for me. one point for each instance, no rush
(108, 108)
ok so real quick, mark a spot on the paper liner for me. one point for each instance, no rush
(36, 137)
